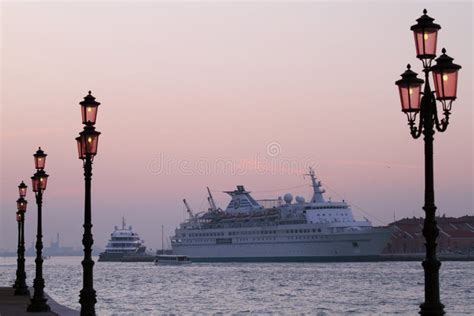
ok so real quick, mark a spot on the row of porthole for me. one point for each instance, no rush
(264, 232)
(257, 239)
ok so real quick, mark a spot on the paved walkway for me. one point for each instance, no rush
(11, 305)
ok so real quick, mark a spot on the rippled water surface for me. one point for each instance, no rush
(253, 288)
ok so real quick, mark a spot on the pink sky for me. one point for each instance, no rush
(205, 85)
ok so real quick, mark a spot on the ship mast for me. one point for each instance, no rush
(123, 222)
(162, 240)
(317, 190)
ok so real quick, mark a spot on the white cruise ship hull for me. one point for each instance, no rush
(364, 245)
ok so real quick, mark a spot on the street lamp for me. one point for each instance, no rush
(87, 143)
(445, 74)
(39, 181)
(22, 189)
(21, 203)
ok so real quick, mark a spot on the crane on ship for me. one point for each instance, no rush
(210, 199)
(188, 209)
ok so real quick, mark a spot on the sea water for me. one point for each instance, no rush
(376, 288)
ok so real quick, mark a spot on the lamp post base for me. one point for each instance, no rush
(432, 309)
(38, 305)
(87, 299)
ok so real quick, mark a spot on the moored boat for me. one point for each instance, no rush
(171, 260)
(125, 246)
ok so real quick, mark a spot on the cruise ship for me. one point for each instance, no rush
(278, 230)
(125, 245)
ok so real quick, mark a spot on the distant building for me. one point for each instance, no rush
(55, 249)
(456, 235)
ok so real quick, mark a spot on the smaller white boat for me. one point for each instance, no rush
(171, 260)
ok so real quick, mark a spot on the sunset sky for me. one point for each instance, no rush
(220, 94)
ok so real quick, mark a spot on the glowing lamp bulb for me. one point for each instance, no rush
(410, 91)
(89, 109)
(425, 36)
(89, 140)
(41, 179)
(445, 77)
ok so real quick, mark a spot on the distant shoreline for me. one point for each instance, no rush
(400, 257)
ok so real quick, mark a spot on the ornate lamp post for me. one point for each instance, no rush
(22, 191)
(21, 203)
(87, 148)
(445, 74)
(39, 181)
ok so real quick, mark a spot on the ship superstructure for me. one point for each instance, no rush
(124, 244)
(278, 230)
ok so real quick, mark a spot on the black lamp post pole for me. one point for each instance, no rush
(38, 301)
(87, 295)
(17, 280)
(431, 264)
(21, 288)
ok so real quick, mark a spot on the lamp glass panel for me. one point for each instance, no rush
(446, 83)
(21, 205)
(80, 151)
(89, 113)
(90, 143)
(34, 184)
(410, 97)
(425, 41)
(40, 161)
(22, 191)
(43, 181)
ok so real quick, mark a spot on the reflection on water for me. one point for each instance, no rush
(253, 288)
